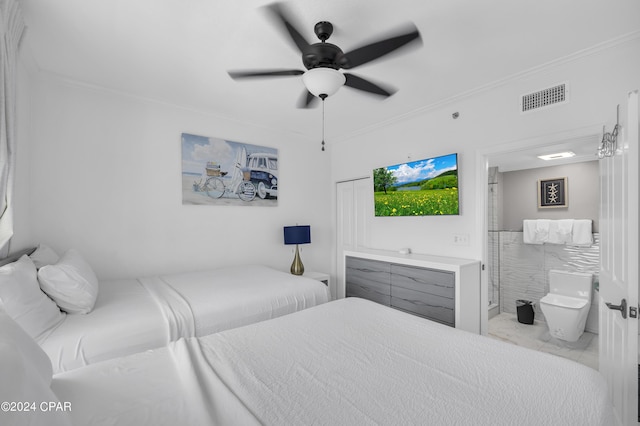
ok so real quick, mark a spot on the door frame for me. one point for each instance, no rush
(482, 191)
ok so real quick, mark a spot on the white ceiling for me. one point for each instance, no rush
(584, 148)
(179, 51)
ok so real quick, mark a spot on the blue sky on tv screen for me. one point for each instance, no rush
(423, 169)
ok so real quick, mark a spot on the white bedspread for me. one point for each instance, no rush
(346, 362)
(125, 320)
(153, 388)
(131, 316)
(205, 302)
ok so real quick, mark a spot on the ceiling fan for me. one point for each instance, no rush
(324, 61)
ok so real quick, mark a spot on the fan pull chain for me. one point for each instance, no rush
(323, 123)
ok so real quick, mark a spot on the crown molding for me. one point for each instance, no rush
(62, 79)
(35, 70)
(593, 50)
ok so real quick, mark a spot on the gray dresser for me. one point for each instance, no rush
(441, 289)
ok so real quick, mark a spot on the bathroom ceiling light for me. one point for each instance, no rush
(556, 156)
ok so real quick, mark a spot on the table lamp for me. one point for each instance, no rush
(299, 234)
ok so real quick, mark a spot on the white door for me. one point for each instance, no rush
(354, 210)
(619, 268)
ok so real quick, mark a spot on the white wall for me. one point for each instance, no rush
(105, 178)
(104, 170)
(519, 192)
(598, 80)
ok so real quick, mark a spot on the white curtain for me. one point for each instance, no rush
(11, 29)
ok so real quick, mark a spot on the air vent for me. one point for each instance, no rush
(544, 98)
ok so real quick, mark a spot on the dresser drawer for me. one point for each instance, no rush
(441, 309)
(369, 273)
(368, 279)
(440, 283)
(369, 293)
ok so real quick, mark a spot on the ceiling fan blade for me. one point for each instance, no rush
(265, 73)
(380, 48)
(307, 100)
(278, 11)
(361, 84)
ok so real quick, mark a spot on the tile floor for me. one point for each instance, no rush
(506, 327)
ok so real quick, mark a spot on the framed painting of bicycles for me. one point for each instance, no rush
(221, 172)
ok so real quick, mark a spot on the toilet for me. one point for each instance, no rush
(567, 305)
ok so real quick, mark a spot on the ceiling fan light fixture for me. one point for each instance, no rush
(323, 81)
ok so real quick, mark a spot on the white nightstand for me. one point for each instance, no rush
(320, 276)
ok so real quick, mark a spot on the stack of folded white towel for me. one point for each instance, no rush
(575, 232)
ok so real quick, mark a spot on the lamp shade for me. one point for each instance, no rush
(323, 81)
(297, 234)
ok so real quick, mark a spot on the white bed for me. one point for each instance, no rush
(349, 361)
(134, 315)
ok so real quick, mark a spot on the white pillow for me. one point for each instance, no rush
(26, 379)
(44, 255)
(71, 283)
(23, 300)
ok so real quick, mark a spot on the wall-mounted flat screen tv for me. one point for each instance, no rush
(417, 188)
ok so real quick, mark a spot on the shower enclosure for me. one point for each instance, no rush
(493, 241)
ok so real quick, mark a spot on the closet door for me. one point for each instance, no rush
(354, 205)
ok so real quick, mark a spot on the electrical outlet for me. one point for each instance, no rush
(461, 239)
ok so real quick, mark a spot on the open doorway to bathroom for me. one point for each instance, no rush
(518, 271)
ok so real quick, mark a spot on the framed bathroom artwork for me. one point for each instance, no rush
(552, 193)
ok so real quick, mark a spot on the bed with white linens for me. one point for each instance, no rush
(345, 362)
(133, 315)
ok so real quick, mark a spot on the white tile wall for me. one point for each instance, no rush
(524, 270)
